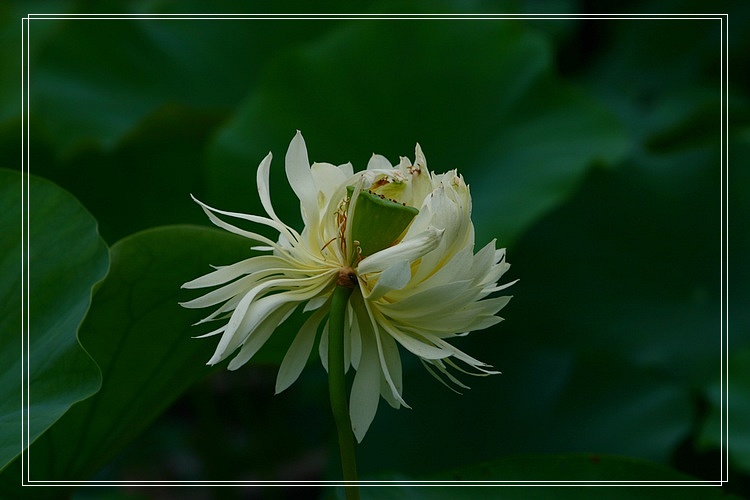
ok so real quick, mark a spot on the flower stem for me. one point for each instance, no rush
(337, 388)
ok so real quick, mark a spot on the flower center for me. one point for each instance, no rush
(347, 277)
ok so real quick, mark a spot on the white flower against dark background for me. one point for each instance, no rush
(400, 235)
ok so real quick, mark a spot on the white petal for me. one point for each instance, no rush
(284, 230)
(347, 169)
(483, 261)
(240, 287)
(419, 159)
(323, 346)
(347, 338)
(392, 360)
(315, 303)
(368, 322)
(449, 216)
(210, 334)
(439, 268)
(233, 229)
(462, 355)
(299, 352)
(228, 306)
(228, 273)
(300, 178)
(407, 250)
(493, 273)
(379, 162)
(499, 287)
(418, 347)
(261, 333)
(447, 323)
(427, 364)
(229, 341)
(395, 277)
(443, 297)
(262, 180)
(365, 395)
(356, 341)
(328, 180)
(250, 312)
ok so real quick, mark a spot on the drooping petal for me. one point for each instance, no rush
(368, 322)
(323, 346)
(463, 356)
(347, 338)
(229, 340)
(365, 394)
(355, 344)
(392, 361)
(315, 303)
(250, 312)
(417, 346)
(296, 357)
(261, 333)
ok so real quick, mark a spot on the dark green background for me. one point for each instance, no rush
(593, 151)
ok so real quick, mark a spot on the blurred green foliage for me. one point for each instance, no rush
(594, 152)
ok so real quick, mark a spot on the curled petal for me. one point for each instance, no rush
(395, 277)
(405, 251)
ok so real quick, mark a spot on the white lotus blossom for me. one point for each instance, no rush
(400, 235)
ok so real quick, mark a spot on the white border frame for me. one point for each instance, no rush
(724, 248)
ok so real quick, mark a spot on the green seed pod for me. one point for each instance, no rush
(378, 222)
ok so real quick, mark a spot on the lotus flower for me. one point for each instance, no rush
(400, 236)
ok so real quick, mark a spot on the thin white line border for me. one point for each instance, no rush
(25, 162)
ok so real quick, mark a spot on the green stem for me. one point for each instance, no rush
(337, 389)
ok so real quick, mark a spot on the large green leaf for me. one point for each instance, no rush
(141, 339)
(66, 257)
